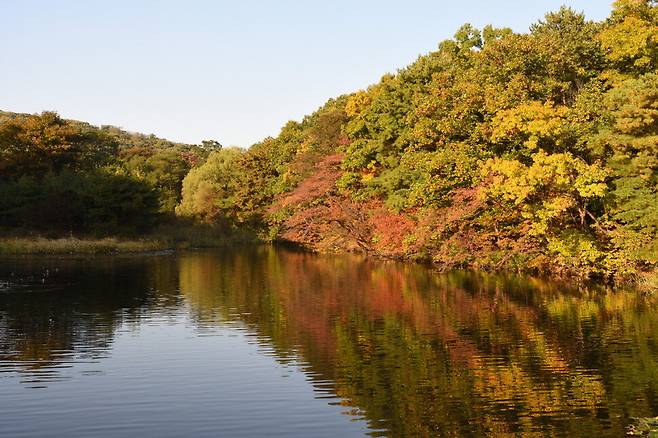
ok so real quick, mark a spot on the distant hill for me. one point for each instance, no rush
(124, 138)
(66, 176)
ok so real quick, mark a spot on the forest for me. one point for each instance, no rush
(533, 152)
(63, 177)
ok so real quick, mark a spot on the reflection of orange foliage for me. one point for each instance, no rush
(420, 354)
(412, 348)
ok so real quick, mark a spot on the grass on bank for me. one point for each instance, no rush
(73, 245)
(165, 238)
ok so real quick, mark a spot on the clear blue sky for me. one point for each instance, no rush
(234, 71)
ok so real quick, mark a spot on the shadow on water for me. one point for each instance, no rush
(412, 352)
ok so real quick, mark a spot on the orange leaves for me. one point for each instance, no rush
(391, 231)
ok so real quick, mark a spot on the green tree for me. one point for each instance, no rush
(633, 139)
(208, 190)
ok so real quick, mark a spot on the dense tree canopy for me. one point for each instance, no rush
(34, 145)
(61, 176)
(530, 151)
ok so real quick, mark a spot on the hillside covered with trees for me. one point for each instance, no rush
(535, 152)
(63, 177)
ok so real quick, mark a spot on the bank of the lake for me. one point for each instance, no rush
(167, 239)
(643, 281)
(187, 238)
(73, 245)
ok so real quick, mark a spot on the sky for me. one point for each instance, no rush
(232, 71)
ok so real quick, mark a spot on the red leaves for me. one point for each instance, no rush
(391, 230)
(321, 182)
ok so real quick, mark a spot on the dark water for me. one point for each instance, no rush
(269, 342)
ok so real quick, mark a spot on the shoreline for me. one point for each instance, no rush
(72, 246)
(26, 246)
(645, 282)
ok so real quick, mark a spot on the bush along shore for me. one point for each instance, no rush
(531, 152)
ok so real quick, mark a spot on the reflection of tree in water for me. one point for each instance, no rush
(422, 354)
(416, 353)
(61, 310)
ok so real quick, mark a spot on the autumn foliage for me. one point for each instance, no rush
(526, 151)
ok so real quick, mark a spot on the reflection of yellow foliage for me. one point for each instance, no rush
(407, 347)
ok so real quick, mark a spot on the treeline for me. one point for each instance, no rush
(61, 177)
(534, 151)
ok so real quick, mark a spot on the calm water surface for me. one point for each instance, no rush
(262, 341)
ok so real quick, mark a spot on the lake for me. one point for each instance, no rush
(267, 341)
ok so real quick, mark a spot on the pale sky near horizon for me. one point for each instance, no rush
(233, 71)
